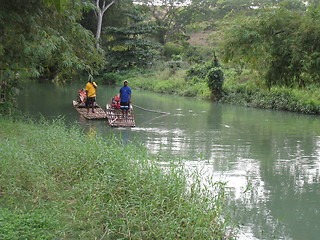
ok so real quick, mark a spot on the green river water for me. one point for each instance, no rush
(269, 159)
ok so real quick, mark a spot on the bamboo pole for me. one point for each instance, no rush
(149, 110)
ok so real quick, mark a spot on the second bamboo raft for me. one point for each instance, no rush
(116, 119)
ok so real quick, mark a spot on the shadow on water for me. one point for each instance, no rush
(269, 159)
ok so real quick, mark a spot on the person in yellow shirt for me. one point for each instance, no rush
(91, 91)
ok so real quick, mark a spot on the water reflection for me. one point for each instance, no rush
(270, 160)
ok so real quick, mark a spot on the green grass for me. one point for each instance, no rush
(278, 98)
(166, 81)
(58, 183)
(237, 89)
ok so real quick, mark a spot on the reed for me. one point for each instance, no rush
(58, 183)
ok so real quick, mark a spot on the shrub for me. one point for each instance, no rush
(192, 55)
(276, 99)
(9, 87)
(171, 49)
(199, 70)
(175, 64)
(215, 81)
(111, 78)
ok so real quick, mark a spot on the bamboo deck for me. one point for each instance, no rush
(98, 114)
(115, 118)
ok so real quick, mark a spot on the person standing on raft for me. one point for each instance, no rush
(91, 91)
(125, 98)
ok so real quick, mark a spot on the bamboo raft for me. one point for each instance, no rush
(99, 113)
(115, 118)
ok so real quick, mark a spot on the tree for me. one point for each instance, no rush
(222, 8)
(43, 42)
(8, 92)
(169, 16)
(100, 8)
(60, 5)
(43, 39)
(280, 44)
(215, 78)
(127, 46)
(211, 72)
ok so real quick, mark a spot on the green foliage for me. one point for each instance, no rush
(60, 5)
(169, 19)
(43, 39)
(59, 180)
(208, 9)
(175, 63)
(189, 54)
(26, 225)
(166, 81)
(46, 43)
(111, 78)
(199, 70)
(276, 99)
(210, 72)
(9, 87)
(127, 47)
(170, 49)
(215, 81)
(192, 54)
(280, 44)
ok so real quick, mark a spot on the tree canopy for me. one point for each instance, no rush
(280, 44)
(51, 39)
(127, 47)
(44, 42)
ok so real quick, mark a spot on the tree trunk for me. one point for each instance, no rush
(99, 25)
(99, 13)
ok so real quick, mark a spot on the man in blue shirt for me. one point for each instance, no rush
(125, 98)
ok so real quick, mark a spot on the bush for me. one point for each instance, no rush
(199, 89)
(199, 70)
(171, 49)
(276, 99)
(192, 55)
(9, 87)
(215, 81)
(111, 78)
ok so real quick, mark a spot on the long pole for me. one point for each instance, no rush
(149, 110)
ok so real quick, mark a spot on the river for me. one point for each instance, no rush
(270, 160)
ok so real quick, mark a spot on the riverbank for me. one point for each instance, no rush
(57, 182)
(247, 93)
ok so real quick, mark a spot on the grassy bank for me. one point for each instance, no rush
(237, 89)
(172, 82)
(58, 183)
(293, 100)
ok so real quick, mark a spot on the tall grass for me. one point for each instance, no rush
(278, 98)
(166, 81)
(244, 89)
(58, 183)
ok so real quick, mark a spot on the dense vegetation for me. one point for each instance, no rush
(72, 185)
(258, 53)
(260, 45)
